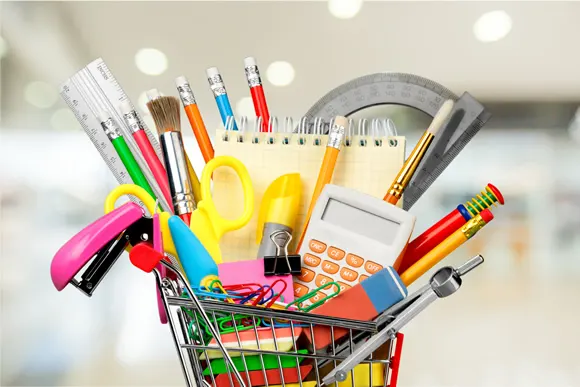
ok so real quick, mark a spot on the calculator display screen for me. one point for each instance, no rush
(360, 222)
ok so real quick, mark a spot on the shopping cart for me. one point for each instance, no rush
(259, 346)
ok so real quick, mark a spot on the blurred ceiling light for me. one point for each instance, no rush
(3, 47)
(492, 26)
(245, 107)
(40, 94)
(344, 9)
(64, 119)
(151, 61)
(280, 73)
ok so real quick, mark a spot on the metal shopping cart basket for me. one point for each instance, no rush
(226, 344)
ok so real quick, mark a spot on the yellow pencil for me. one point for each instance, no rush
(446, 247)
(335, 139)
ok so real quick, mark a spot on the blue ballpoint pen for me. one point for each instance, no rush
(216, 83)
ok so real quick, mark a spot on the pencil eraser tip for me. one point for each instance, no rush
(250, 61)
(486, 215)
(103, 116)
(212, 72)
(125, 106)
(341, 121)
(180, 81)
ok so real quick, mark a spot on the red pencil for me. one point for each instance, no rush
(257, 91)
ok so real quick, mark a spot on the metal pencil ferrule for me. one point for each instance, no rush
(179, 183)
(216, 84)
(335, 136)
(470, 228)
(253, 76)
(133, 121)
(111, 128)
(186, 94)
(396, 190)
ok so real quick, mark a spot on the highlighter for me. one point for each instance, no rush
(199, 267)
(278, 211)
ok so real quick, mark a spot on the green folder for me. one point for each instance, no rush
(218, 366)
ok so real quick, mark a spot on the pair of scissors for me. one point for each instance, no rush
(206, 223)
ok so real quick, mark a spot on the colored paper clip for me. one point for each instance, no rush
(224, 324)
(240, 289)
(298, 302)
(259, 294)
(277, 295)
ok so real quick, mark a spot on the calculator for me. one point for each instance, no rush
(351, 235)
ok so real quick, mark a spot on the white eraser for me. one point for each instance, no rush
(180, 81)
(125, 106)
(341, 121)
(153, 94)
(250, 61)
(212, 72)
(441, 117)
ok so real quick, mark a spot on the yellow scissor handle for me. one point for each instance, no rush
(222, 225)
(149, 202)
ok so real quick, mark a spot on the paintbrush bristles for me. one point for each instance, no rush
(166, 114)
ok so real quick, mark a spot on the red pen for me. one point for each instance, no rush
(257, 91)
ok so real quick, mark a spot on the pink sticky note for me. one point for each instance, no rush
(244, 272)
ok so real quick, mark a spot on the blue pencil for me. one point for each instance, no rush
(216, 83)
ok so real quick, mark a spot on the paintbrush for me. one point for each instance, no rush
(166, 115)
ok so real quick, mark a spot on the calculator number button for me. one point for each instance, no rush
(335, 253)
(322, 280)
(311, 260)
(317, 246)
(354, 260)
(347, 274)
(319, 296)
(372, 267)
(330, 267)
(300, 290)
(306, 275)
(343, 286)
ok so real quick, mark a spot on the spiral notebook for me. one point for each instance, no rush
(370, 158)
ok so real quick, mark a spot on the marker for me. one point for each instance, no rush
(257, 92)
(218, 88)
(278, 211)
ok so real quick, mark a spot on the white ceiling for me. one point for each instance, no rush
(538, 60)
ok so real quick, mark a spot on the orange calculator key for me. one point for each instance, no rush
(372, 267)
(330, 267)
(317, 246)
(354, 260)
(317, 297)
(306, 275)
(362, 278)
(322, 280)
(300, 290)
(348, 274)
(335, 253)
(343, 286)
(311, 260)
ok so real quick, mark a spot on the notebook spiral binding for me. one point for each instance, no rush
(382, 131)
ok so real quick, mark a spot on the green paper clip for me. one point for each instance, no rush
(298, 302)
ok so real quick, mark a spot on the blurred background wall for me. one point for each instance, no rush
(514, 322)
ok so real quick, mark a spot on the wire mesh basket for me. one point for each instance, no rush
(260, 346)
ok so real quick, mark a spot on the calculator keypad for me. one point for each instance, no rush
(324, 264)
(335, 253)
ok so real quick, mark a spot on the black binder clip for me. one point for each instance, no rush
(291, 264)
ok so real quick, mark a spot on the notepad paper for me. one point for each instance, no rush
(369, 165)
